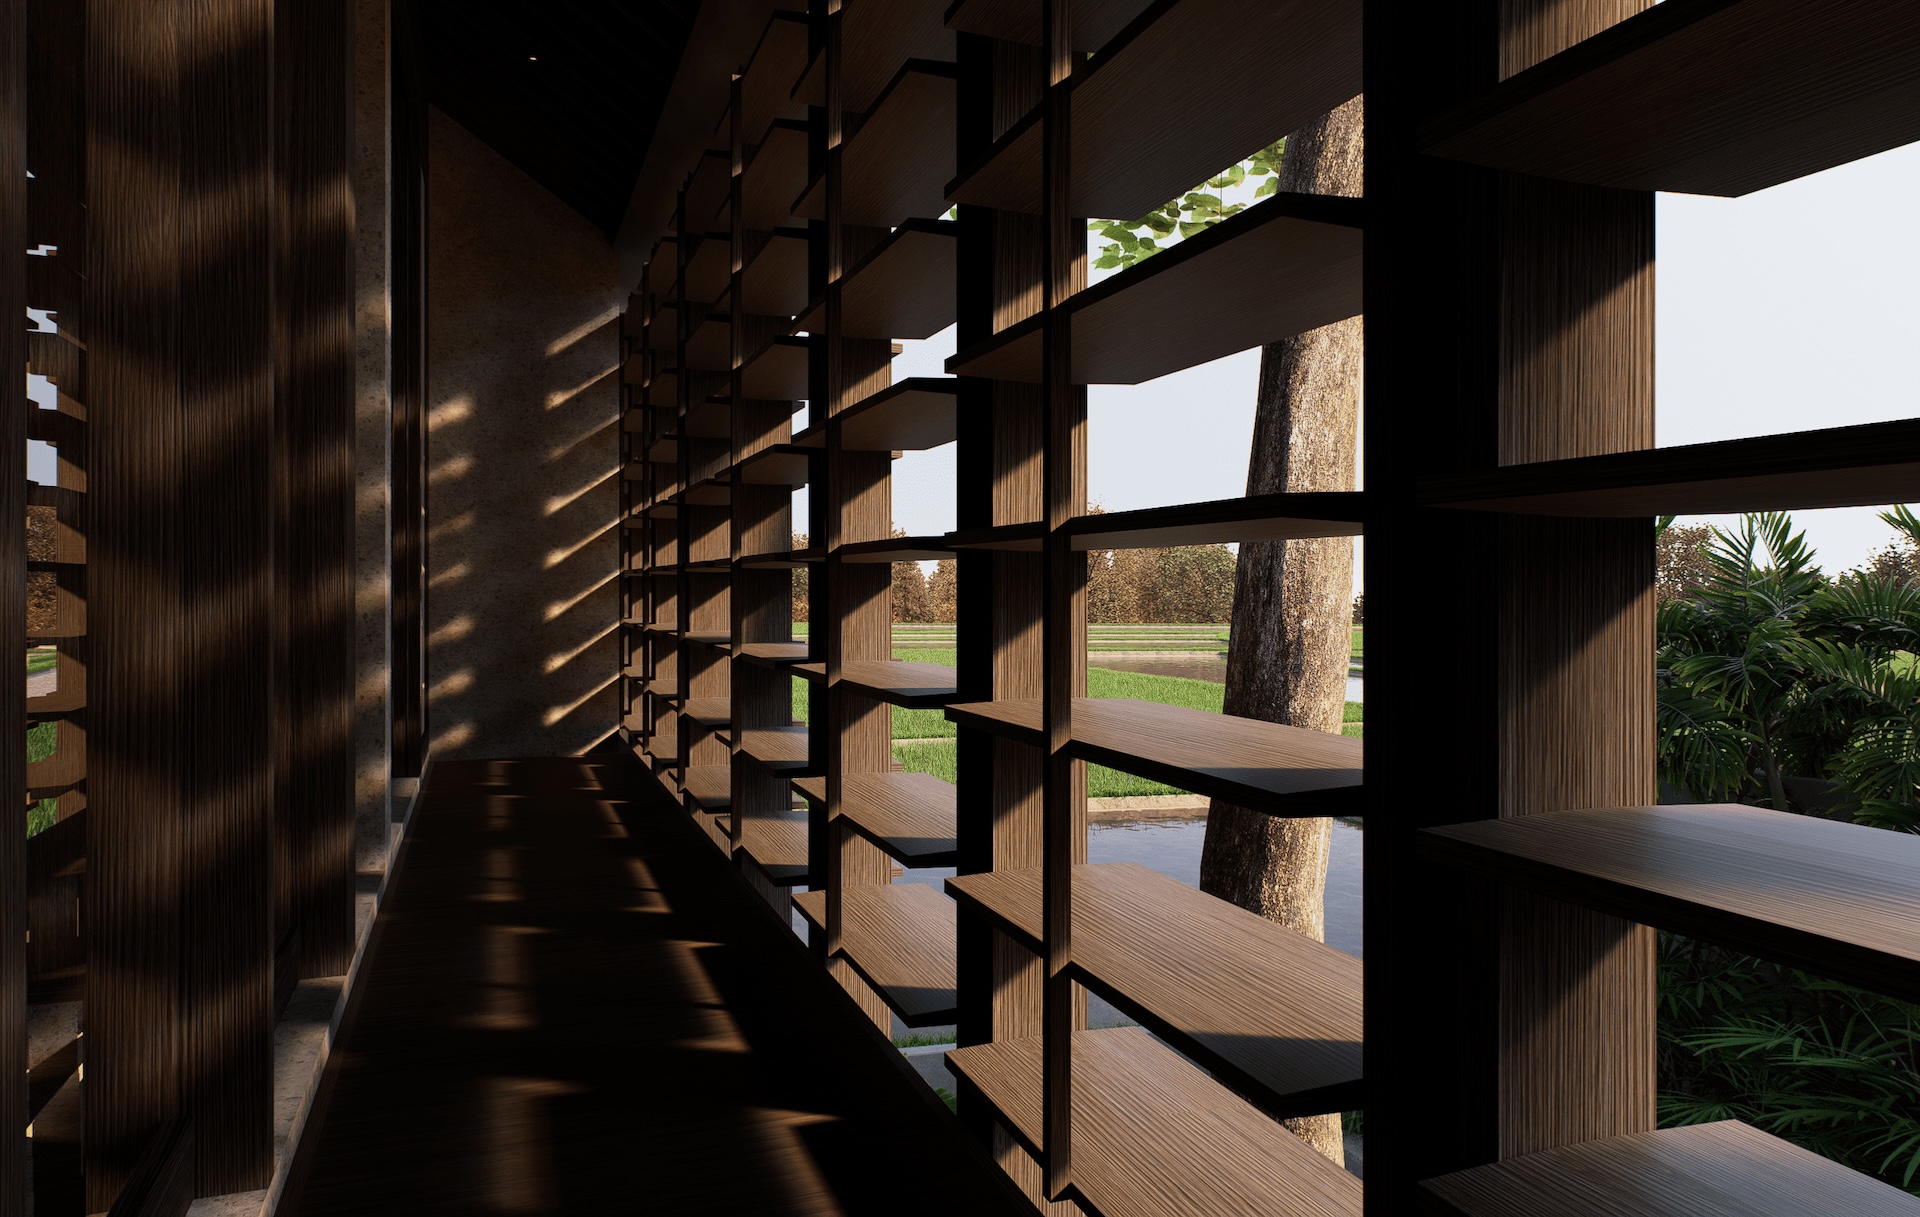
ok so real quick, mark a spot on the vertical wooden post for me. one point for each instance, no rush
(1064, 424)
(225, 698)
(13, 621)
(136, 498)
(407, 459)
(314, 496)
(855, 609)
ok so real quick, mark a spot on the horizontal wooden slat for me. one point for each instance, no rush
(896, 549)
(786, 559)
(896, 681)
(1268, 517)
(710, 345)
(774, 465)
(1282, 63)
(780, 749)
(773, 282)
(902, 289)
(1288, 265)
(909, 815)
(778, 845)
(1717, 97)
(766, 87)
(1839, 899)
(707, 188)
(880, 35)
(771, 654)
(775, 173)
(1154, 1136)
(709, 786)
(812, 906)
(1702, 1170)
(911, 415)
(777, 372)
(1095, 22)
(900, 938)
(708, 271)
(1272, 1013)
(1263, 766)
(707, 713)
(896, 164)
(1867, 465)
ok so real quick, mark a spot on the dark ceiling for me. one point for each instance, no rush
(568, 90)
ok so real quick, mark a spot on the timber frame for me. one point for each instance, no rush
(1503, 259)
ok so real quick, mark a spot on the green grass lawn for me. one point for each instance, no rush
(41, 661)
(932, 747)
(41, 739)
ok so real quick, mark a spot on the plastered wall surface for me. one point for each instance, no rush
(522, 456)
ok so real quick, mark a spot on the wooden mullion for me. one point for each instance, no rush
(1063, 418)
(13, 626)
(683, 463)
(134, 847)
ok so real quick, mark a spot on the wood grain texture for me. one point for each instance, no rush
(881, 36)
(1140, 324)
(1155, 1136)
(1285, 63)
(909, 815)
(134, 847)
(1575, 606)
(1830, 897)
(1095, 22)
(1706, 97)
(899, 159)
(767, 85)
(1270, 1012)
(1803, 470)
(903, 288)
(1704, 1170)
(313, 550)
(13, 577)
(620, 998)
(1531, 31)
(900, 682)
(899, 937)
(227, 374)
(1278, 769)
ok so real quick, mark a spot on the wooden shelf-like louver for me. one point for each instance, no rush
(1154, 1136)
(902, 289)
(771, 654)
(776, 173)
(913, 415)
(1265, 67)
(1285, 266)
(773, 282)
(1095, 22)
(900, 682)
(57, 704)
(896, 549)
(774, 465)
(1266, 517)
(778, 749)
(900, 938)
(1839, 899)
(709, 786)
(710, 345)
(766, 87)
(882, 36)
(1721, 1168)
(1704, 97)
(896, 165)
(909, 815)
(1860, 466)
(707, 713)
(1272, 1013)
(776, 372)
(707, 190)
(784, 559)
(778, 845)
(709, 269)
(1262, 766)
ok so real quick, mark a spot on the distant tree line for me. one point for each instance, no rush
(1189, 584)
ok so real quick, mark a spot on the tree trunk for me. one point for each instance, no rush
(1293, 600)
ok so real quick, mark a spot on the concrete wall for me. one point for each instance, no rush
(522, 455)
(372, 436)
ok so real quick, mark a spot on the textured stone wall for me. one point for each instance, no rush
(372, 437)
(522, 456)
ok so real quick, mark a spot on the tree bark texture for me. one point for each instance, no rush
(1293, 600)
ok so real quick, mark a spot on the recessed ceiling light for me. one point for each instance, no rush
(533, 59)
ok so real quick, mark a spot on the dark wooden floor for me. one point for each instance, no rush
(573, 1005)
